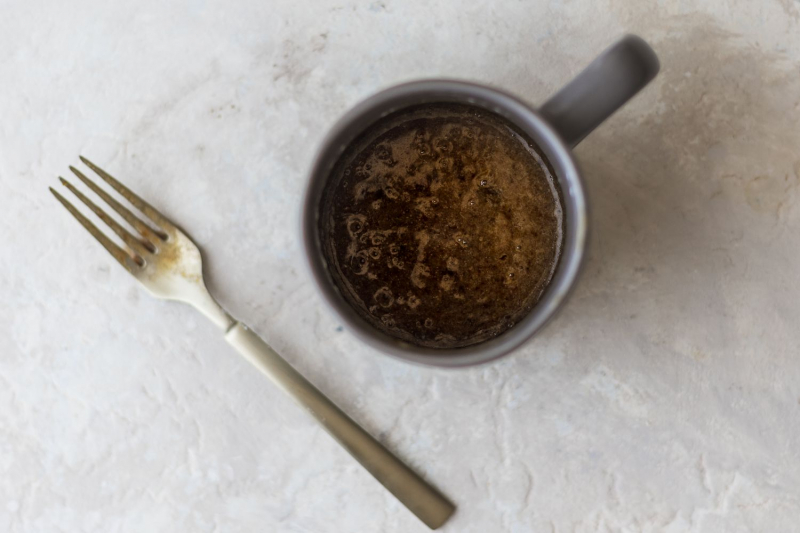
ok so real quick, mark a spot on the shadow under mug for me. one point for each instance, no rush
(556, 127)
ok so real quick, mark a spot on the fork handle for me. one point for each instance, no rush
(419, 497)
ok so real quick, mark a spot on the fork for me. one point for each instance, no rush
(168, 263)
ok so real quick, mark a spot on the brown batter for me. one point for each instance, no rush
(442, 225)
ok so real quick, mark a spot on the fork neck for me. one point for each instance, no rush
(218, 316)
(202, 300)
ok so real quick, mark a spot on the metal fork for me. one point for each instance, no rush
(168, 264)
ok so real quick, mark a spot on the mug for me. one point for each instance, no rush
(556, 127)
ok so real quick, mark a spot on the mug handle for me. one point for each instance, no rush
(609, 81)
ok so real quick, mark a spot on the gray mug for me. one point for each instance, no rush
(556, 127)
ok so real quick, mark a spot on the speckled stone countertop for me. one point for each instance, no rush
(664, 398)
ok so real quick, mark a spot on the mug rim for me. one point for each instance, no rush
(367, 112)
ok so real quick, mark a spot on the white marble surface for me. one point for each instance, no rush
(666, 396)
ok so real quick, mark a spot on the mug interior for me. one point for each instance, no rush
(364, 115)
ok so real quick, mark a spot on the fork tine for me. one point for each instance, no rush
(135, 244)
(122, 257)
(150, 235)
(137, 202)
